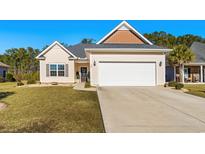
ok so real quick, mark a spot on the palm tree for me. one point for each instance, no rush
(180, 55)
(87, 41)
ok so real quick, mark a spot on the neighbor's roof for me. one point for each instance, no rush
(4, 65)
(79, 49)
(199, 50)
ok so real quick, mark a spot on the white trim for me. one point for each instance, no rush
(54, 43)
(126, 50)
(201, 73)
(124, 23)
(197, 64)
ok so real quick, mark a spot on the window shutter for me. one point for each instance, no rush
(66, 70)
(47, 70)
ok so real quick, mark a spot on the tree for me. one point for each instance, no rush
(87, 41)
(22, 60)
(162, 39)
(180, 55)
(168, 40)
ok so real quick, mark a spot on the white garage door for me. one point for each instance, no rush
(126, 74)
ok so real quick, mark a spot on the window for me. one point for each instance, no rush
(61, 70)
(57, 70)
(53, 70)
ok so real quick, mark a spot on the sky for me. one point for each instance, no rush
(38, 33)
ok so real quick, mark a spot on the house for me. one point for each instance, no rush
(194, 72)
(3, 70)
(123, 57)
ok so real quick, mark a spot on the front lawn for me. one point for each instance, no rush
(196, 89)
(49, 109)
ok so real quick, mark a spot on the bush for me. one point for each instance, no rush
(18, 77)
(19, 83)
(10, 77)
(87, 85)
(172, 83)
(179, 86)
(1, 79)
(31, 81)
(29, 76)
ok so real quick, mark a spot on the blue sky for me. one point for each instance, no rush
(39, 33)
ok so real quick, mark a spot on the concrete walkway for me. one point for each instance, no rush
(81, 86)
(151, 109)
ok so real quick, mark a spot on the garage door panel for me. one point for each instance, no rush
(126, 74)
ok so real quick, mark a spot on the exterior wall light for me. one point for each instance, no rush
(160, 63)
(94, 63)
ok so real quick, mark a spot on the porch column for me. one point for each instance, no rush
(174, 73)
(201, 73)
(182, 73)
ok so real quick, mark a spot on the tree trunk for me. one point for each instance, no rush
(181, 72)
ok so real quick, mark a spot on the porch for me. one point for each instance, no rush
(192, 73)
(82, 70)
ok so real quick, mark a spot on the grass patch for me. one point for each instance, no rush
(49, 109)
(196, 89)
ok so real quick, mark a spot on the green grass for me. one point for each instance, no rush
(49, 109)
(196, 89)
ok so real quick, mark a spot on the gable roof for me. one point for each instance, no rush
(199, 51)
(4, 65)
(40, 56)
(79, 49)
(124, 25)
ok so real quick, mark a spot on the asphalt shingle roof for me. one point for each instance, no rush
(79, 49)
(3, 65)
(199, 51)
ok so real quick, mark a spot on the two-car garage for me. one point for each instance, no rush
(140, 68)
(127, 73)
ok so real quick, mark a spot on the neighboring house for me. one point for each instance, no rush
(123, 57)
(194, 72)
(3, 70)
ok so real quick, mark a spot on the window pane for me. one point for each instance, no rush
(61, 67)
(53, 73)
(53, 67)
(60, 73)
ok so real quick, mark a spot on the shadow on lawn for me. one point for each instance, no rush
(5, 94)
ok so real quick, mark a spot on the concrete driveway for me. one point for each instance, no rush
(151, 109)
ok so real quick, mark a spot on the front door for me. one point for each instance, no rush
(4, 74)
(83, 72)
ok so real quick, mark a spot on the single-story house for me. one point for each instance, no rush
(194, 72)
(3, 70)
(123, 57)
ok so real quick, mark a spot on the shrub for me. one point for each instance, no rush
(179, 86)
(10, 77)
(1, 79)
(18, 77)
(31, 81)
(19, 83)
(172, 83)
(166, 84)
(87, 85)
(33, 76)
